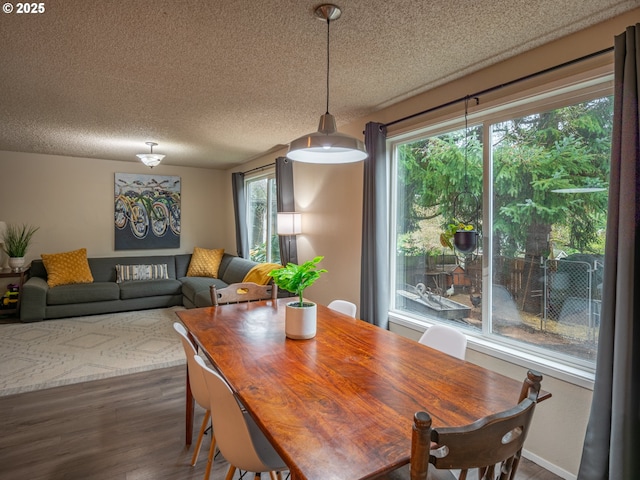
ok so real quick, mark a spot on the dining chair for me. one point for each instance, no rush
(200, 394)
(446, 339)
(239, 438)
(343, 306)
(492, 445)
(242, 292)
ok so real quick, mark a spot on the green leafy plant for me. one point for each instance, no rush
(16, 239)
(295, 278)
(450, 231)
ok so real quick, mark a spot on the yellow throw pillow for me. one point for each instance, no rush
(205, 263)
(68, 267)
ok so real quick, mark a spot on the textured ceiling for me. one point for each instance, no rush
(218, 82)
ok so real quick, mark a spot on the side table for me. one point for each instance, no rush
(22, 275)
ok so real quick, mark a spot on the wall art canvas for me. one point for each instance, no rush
(147, 211)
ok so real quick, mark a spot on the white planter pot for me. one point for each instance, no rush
(16, 263)
(300, 322)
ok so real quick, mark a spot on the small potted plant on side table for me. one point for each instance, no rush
(301, 315)
(16, 240)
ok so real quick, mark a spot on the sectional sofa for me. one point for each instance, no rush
(106, 295)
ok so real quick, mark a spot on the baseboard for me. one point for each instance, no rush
(549, 466)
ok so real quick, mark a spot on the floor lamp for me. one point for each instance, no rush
(289, 225)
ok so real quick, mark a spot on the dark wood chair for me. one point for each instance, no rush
(242, 292)
(492, 445)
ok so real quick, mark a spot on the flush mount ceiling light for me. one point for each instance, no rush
(150, 159)
(327, 145)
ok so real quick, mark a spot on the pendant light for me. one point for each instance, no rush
(327, 145)
(150, 159)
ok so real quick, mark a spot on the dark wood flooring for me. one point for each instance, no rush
(123, 428)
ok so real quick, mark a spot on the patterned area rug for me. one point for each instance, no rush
(46, 354)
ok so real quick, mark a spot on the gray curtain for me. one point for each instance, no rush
(374, 281)
(612, 443)
(240, 212)
(286, 203)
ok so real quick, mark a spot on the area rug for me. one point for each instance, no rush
(46, 354)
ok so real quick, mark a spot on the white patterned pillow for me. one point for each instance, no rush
(126, 273)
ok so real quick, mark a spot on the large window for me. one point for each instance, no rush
(262, 214)
(531, 178)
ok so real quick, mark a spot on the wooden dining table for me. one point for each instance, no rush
(339, 405)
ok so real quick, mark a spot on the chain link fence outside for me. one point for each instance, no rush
(573, 293)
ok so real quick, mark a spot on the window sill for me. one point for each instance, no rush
(507, 353)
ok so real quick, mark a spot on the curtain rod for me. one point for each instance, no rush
(498, 87)
(260, 168)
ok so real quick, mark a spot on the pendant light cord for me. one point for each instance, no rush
(328, 37)
(466, 142)
(466, 138)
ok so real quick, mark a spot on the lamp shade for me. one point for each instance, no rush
(289, 223)
(327, 145)
(3, 228)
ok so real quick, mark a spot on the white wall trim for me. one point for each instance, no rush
(547, 465)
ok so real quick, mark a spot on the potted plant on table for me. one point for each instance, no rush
(16, 240)
(300, 317)
(460, 236)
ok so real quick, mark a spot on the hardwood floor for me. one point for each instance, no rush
(122, 428)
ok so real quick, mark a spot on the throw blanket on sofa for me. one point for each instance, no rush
(260, 273)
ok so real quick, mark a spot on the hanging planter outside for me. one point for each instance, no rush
(465, 241)
(460, 236)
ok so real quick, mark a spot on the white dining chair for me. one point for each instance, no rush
(200, 394)
(343, 306)
(239, 438)
(446, 339)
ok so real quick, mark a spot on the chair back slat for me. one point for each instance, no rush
(242, 292)
(486, 442)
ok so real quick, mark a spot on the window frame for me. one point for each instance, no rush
(270, 176)
(593, 83)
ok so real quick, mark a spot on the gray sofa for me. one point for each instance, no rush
(104, 295)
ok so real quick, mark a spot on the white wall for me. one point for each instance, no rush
(72, 201)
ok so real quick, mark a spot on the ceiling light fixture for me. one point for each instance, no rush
(150, 159)
(327, 145)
